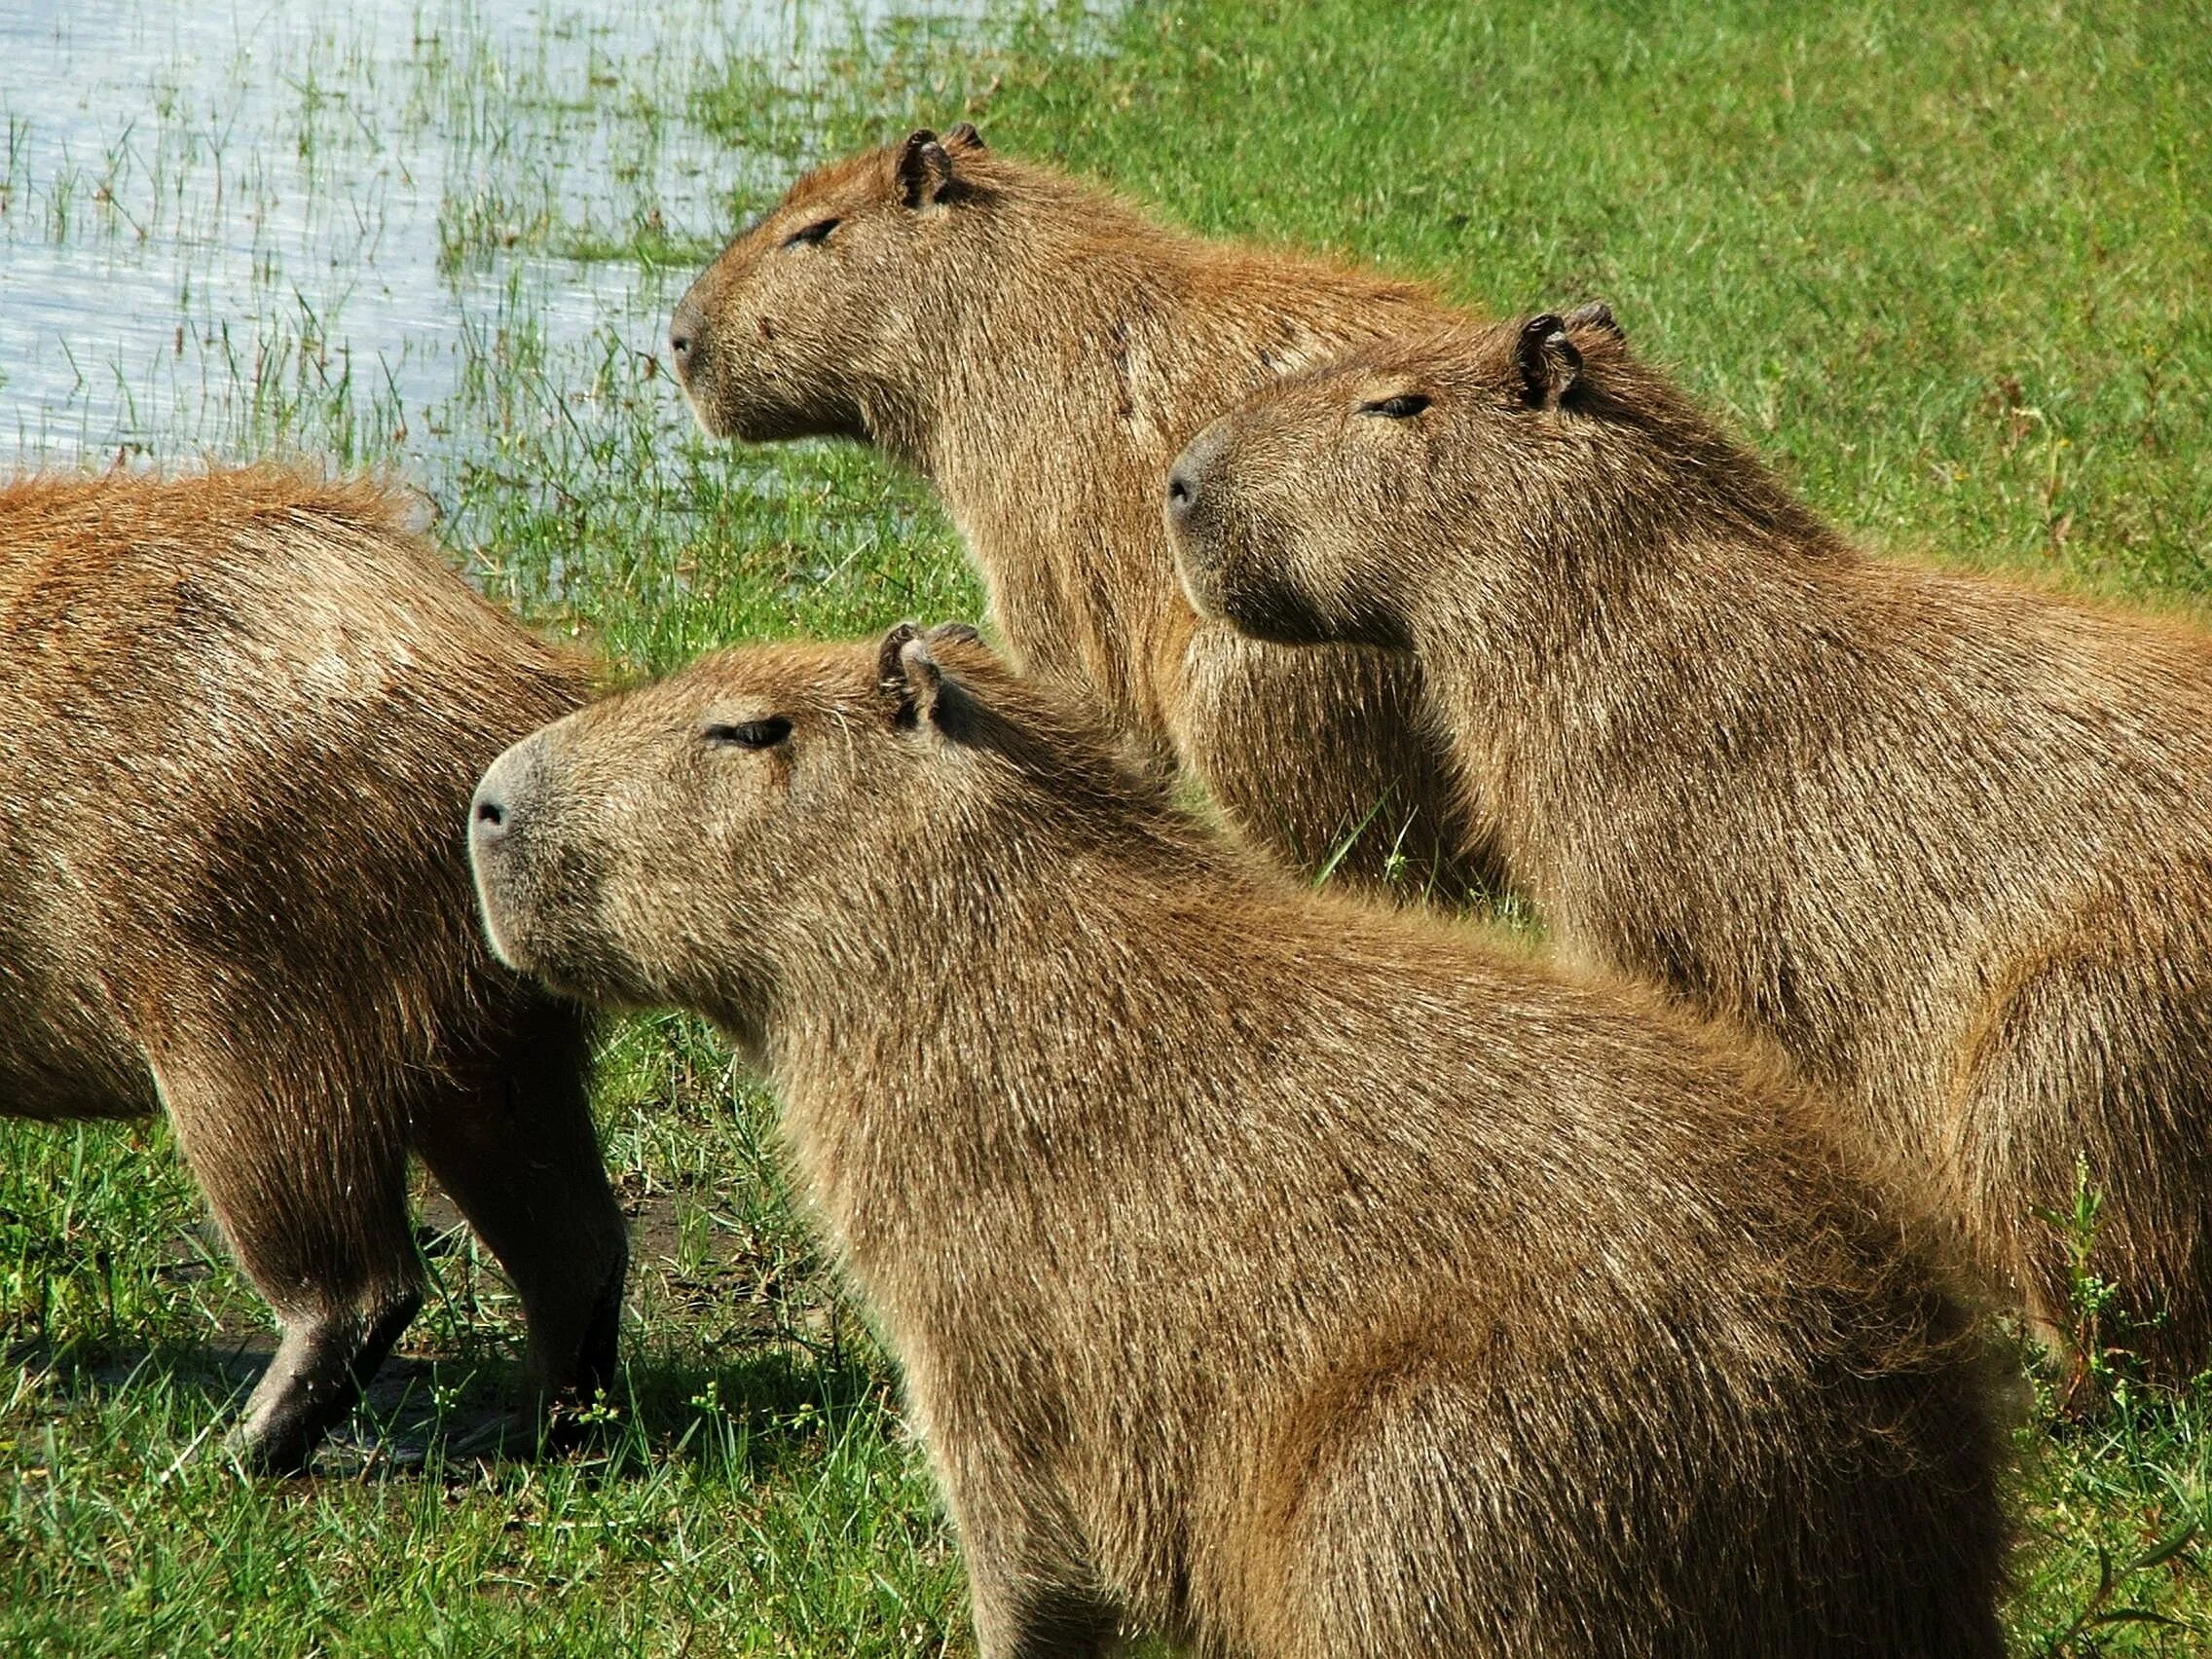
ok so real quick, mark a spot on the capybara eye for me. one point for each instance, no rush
(813, 234)
(751, 734)
(1403, 407)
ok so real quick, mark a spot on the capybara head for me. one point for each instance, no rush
(1483, 463)
(699, 841)
(781, 337)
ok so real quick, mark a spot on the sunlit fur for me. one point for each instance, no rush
(1289, 1277)
(1946, 839)
(1040, 351)
(240, 719)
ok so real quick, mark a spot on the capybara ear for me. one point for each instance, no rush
(925, 170)
(907, 677)
(1596, 315)
(1548, 359)
(965, 137)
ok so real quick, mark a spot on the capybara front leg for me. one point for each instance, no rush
(1030, 1596)
(518, 1153)
(1019, 1619)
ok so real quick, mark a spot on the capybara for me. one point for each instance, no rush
(1040, 351)
(240, 717)
(1947, 839)
(1284, 1275)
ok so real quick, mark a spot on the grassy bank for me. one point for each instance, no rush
(1945, 265)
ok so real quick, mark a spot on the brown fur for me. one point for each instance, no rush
(1948, 840)
(1288, 1276)
(239, 717)
(1040, 351)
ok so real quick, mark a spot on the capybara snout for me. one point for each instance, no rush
(497, 813)
(779, 337)
(586, 837)
(544, 832)
(1235, 521)
(1217, 539)
(492, 810)
(686, 330)
(1187, 477)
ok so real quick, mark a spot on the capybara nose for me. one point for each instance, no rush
(495, 809)
(1182, 495)
(1187, 478)
(686, 329)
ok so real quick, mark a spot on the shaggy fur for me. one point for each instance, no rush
(240, 719)
(1288, 1276)
(1040, 351)
(1947, 839)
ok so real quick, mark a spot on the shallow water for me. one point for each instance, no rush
(367, 230)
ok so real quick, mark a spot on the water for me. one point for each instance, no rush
(387, 231)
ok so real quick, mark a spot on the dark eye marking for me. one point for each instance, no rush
(749, 734)
(812, 233)
(1403, 407)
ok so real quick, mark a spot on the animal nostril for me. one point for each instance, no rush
(1179, 492)
(491, 815)
(687, 335)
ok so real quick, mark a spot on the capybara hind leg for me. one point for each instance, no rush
(517, 1152)
(1433, 1532)
(2087, 1122)
(325, 1359)
(314, 1205)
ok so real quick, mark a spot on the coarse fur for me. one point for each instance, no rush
(1284, 1275)
(241, 716)
(1040, 351)
(1946, 839)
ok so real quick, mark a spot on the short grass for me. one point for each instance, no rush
(1947, 265)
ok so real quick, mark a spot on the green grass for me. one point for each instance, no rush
(1948, 265)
